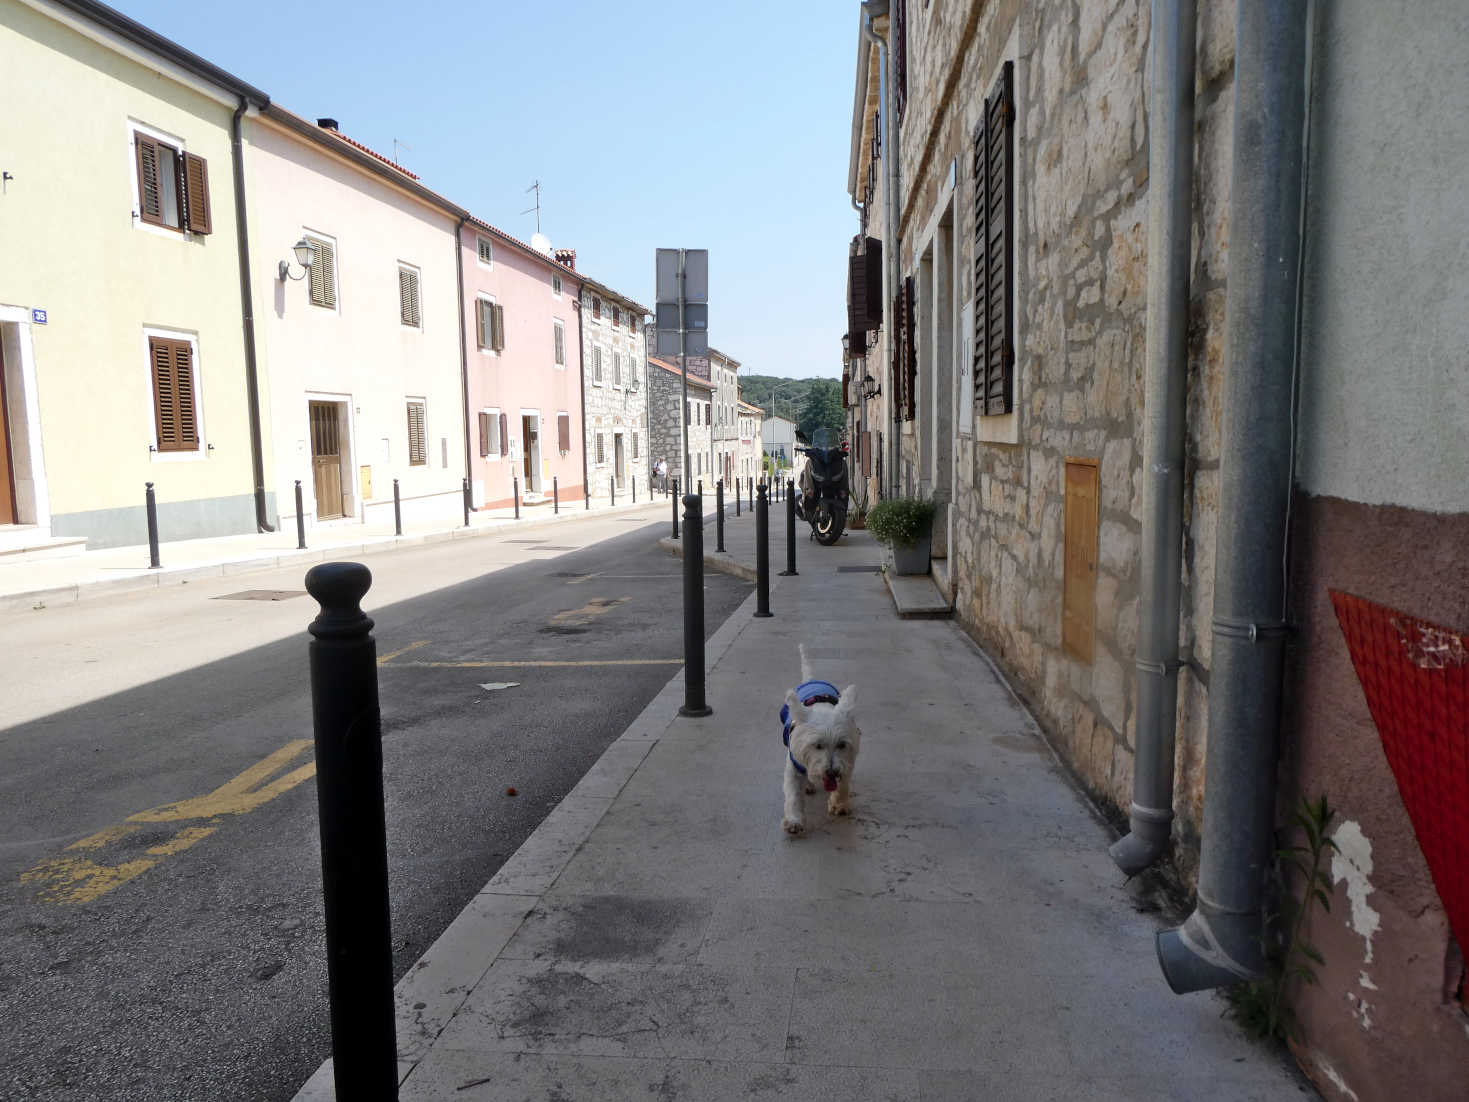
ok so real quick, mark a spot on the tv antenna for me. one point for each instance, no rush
(397, 145)
(535, 187)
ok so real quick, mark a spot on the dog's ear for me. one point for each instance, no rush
(847, 704)
(798, 712)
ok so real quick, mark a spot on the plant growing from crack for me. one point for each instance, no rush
(1260, 1005)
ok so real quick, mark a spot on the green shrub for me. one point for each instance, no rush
(901, 521)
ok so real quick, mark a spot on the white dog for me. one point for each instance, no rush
(822, 738)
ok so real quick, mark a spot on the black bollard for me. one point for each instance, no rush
(634, 489)
(701, 491)
(737, 497)
(612, 490)
(515, 488)
(762, 552)
(300, 520)
(586, 492)
(466, 503)
(694, 703)
(790, 569)
(354, 853)
(675, 508)
(719, 515)
(555, 496)
(151, 509)
(397, 510)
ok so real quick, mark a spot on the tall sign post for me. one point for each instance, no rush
(682, 318)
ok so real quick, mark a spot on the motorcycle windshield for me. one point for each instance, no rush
(820, 438)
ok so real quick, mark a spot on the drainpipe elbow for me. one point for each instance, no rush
(1213, 948)
(1145, 842)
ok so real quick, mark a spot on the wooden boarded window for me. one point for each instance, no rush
(417, 437)
(1079, 595)
(994, 318)
(563, 432)
(484, 435)
(323, 274)
(175, 404)
(601, 457)
(486, 250)
(173, 186)
(408, 305)
(558, 337)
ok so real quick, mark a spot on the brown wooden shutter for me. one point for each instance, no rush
(895, 356)
(900, 58)
(484, 435)
(196, 194)
(910, 352)
(635, 445)
(174, 402)
(504, 435)
(872, 282)
(994, 317)
(563, 432)
(856, 304)
(150, 200)
(497, 326)
(480, 337)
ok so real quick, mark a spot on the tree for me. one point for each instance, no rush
(822, 409)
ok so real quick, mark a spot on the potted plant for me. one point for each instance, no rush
(906, 525)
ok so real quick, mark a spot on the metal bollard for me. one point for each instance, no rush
(515, 488)
(556, 496)
(300, 520)
(466, 503)
(762, 552)
(737, 497)
(694, 703)
(701, 493)
(151, 508)
(719, 515)
(397, 510)
(634, 489)
(612, 489)
(354, 853)
(675, 508)
(586, 493)
(790, 569)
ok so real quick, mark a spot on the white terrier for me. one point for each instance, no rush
(822, 738)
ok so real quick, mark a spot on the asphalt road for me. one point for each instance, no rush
(161, 929)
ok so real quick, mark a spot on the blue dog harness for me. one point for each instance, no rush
(809, 693)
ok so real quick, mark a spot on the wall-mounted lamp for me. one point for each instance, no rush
(305, 253)
(846, 348)
(870, 389)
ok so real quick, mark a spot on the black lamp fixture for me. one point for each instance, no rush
(870, 389)
(846, 348)
(305, 253)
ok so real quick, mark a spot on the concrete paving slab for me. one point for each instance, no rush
(610, 928)
(534, 867)
(917, 596)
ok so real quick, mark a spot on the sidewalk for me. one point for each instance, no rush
(963, 936)
(53, 581)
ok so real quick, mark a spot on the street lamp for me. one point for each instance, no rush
(305, 254)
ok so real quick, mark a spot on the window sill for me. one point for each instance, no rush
(192, 455)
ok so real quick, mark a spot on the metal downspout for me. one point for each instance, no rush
(581, 374)
(247, 312)
(463, 352)
(1170, 229)
(890, 139)
(1220, 943)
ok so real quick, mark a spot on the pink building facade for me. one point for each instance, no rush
(523, 368)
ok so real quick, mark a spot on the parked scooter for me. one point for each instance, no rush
(822, 497)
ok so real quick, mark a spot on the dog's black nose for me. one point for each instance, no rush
(833, 773)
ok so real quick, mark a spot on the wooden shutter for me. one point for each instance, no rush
(486, 250)
(559, 336)
(1079, 587)
(323, 274)
(150, 200)
(872, 282)
(994, 319)
(634, 445)
(563, 432)
(408, 308)
(617, 369)
(900, 58)
(856, 304)
(481, 323)
(600, 453)
(196, 194)
(866, 447)
(616, 317)
(174, 405)
(910, 352)
(484, 435)
(596, 365)
(504, 436)
(596, 307)
(497, 326)
(417, 439)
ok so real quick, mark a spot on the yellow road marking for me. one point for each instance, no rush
(548, 664)
(597, 606)
(81, 880)
(584, 578)
(385, 659)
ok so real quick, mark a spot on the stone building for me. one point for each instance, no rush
(665, 397)
(724, 375)
(747, 449)
(1054, 188)
(615, 423)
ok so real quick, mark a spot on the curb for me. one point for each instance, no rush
(714, 560)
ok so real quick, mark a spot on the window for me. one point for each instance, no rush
(323, 273)
(556, 285)
(632, 322)
(417, 437)
(558, 335)
(994, 320)
(597, 366)
(563, 432)
(489, 325)
(486, 251)
(617, 369)
(601, 455)
(634, 445)
(172, 186)
(596, 308)
(616, 317)
(175, 404)
(688, 413)
(408, 307)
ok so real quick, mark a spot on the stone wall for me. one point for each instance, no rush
(665, 396)
(615, 408)
(1081, 168)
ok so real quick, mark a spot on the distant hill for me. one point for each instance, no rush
(810, 403)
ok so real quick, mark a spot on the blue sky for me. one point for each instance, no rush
(702, 123)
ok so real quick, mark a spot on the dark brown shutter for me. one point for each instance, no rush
(910, 352)
(994, 318)
(856, 304)
(196, 193)
(563, 432)
(895, 356)
(484, 435)
(900, 58)
(872, 282)
(174, 402)
(866, 447)
(504, 435)
(150, 201)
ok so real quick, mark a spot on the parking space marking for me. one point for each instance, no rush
(543, 663)
(385, 659)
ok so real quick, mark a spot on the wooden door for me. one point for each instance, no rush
(7, 471)
(326, 460)
(530, 429)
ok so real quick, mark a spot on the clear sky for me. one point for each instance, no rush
(721, 124)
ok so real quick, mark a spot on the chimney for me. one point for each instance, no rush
(327, 124)
(566, 257)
